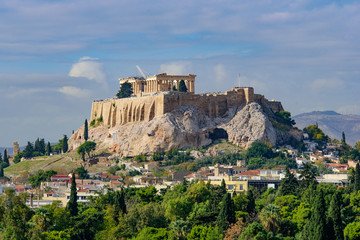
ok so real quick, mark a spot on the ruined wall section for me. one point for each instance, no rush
(121, 111)
(213, 105)
(275, 106)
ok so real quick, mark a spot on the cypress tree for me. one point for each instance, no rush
(119, 203)
(42, 146)
(334, 218)
(357, 178)
(182, 86)
(72, 205)
(65, 144)
(343, 140)
(48, 149)
(122, 202)
(251, 204)
(227, 213)
(86, 130)
(1, 171)
(37, 145)
(6, 159)
(316, 227)
(288, 185)
(223, 186)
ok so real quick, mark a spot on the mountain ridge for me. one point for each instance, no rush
(332, 123)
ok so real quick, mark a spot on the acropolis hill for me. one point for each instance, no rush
(154, 97)
(157, 119)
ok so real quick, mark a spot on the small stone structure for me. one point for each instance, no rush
(16, 149)
(159, 83)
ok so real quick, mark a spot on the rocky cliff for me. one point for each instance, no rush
(186, 127)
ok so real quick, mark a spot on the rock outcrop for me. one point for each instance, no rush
(186, 127)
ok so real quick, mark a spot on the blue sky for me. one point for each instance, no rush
(58, 56)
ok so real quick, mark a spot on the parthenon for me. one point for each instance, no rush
(159, 83)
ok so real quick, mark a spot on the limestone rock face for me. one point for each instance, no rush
(184, 127)
(250, 124)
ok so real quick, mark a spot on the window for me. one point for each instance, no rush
(241, 187)
(230, 187)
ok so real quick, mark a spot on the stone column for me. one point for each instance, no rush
(192, 87)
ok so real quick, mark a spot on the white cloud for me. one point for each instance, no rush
(323, 83)
(275, 17)
(176, 68)
(220, 73)
(89, 68)
(74, 91)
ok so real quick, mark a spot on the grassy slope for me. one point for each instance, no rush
(65, 163)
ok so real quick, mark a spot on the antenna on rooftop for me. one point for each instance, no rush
(141, 71)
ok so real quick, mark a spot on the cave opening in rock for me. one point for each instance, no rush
(218, 133)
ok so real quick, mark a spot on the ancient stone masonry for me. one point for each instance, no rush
(136, 109)
(159, 83)
(16, 149)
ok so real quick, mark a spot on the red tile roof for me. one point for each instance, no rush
(250, 173)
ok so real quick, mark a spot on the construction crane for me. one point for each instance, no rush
(141, 71)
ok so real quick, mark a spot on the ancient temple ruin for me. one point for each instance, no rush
(159, 83)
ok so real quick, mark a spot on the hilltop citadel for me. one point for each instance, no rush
(154, 96)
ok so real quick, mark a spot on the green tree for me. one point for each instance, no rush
(1, 171)
(357, 145)
(308, 175)
(5, 159)
(357, 178)
(251, 202)
(316, 134)
(343, 140)
(316, 227)
(40, 176)
(227, 213)
(42, 148)
(334, 217)
(86, 130)
(258, 150)
(37, 145)
(254, 231)
(120, 205)
(223, 186)
(151, 233)
(81, 172)
(288, 185)
(86, 147)
(125, 90)
(48, 149)
(182, 86)
(270, 218)
(29, 150)
(65, 144)
(72, 204)
(285, 118)
(352, 231)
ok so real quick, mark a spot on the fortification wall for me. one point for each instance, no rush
(121, 111)
(135, 109)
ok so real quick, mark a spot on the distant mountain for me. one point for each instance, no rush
(332, 123)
